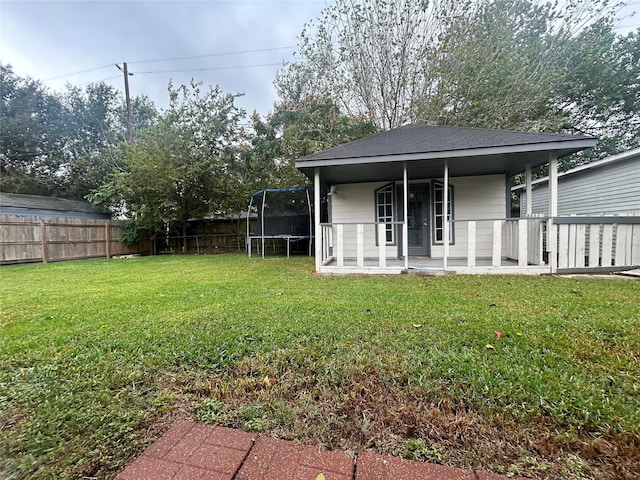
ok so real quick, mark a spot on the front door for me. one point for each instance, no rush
(418, 216)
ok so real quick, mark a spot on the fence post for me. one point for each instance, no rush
(382, 245)
(107, 240)
(43, 241)
(471, 243)
(523, 245)
(496, 257)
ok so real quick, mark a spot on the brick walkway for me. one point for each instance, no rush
(193, 451)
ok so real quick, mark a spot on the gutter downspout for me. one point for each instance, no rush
(527, 177)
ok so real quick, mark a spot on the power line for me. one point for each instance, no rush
(78, 73)
(212, 68)
(216, 54)
(98, 81)
(240, 52)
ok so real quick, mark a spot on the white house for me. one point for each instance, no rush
(387, 193)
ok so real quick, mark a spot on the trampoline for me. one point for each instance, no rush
(281, 215)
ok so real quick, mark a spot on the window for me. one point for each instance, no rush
(438, 213)
(384, 212)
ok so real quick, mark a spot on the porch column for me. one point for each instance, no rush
(552, 241)
(527, 177)
(316, 217)
(445, 213)
(405, 224)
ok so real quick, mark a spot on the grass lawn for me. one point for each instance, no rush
(97, 358)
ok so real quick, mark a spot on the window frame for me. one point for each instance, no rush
(387, 218)
(436, 231)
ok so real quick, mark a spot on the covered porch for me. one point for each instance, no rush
(520, 246)
(487, 240)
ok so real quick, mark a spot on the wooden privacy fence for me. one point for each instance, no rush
(48, 239)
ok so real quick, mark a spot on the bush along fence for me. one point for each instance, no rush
(48, 239)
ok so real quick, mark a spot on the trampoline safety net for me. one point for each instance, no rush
(280, 214)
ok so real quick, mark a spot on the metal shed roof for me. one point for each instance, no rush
(18, 204)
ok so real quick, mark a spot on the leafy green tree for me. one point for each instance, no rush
(513, 64)
(183, 168)
(600, 92)
(294, 130)
(61, 144)
(95, 122)
(30, 124)
(372, 58)
(497, 69)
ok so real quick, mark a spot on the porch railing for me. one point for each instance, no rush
(503, 241)
(358, 241)
(604, 243)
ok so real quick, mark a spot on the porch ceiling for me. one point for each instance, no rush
(385, 169)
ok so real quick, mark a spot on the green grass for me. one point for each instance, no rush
(97, 358)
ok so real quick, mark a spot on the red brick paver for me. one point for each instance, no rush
(273, 459)
(381, 467)
(192, 451)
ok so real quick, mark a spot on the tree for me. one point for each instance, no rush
(516, 64)
(294, 130)
(497, 69)
(95, 122)
(183, 168)
(61, 144)
(372, 58)
(600, 93)
(30, 123)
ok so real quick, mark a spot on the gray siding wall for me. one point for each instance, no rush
(609, 189)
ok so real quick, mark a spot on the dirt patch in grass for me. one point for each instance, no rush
(367, 412)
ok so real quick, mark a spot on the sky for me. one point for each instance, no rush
(240, 44)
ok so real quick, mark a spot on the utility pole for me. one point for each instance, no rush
(128, 99)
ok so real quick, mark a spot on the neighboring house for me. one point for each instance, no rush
(387, 193)
(610, 186)
(39, 206)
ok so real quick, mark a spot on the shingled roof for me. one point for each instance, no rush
(18, 204)
(418, 138)
(473, 151)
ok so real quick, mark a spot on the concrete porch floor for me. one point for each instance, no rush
(433, 266)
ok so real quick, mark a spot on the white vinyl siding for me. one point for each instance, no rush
(475, 198)
(481, 197)
(356, 203)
